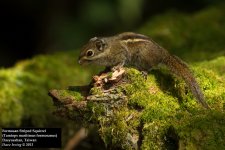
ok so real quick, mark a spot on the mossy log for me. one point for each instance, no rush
(166, 114)
(159, 112)
(23, 99)
(23, 88)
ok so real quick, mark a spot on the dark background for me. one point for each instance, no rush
(30, 27)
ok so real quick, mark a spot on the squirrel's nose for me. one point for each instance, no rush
(80, 61)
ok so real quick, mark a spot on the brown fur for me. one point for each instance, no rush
(139, 51)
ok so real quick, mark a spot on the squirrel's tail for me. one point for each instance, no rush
(178, 67)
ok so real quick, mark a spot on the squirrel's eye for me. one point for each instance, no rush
(90, 53)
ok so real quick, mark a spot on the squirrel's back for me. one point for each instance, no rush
(146, 54)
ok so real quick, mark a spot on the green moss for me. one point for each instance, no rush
(193, 37)
(153, 135)
(216, 66)
(95, 111)
(96, 91)
(118, 132)
(168, 119)
(192, 126)
(23, 88)
(160, 110)
(204, 130)
(75, 95)
(137, 80)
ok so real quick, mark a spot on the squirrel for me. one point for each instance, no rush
(138, 51)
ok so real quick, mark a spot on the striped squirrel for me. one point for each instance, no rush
(138, 51)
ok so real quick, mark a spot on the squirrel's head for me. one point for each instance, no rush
(93, 52)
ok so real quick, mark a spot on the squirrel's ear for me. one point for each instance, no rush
(100, 44)
(93, 39)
